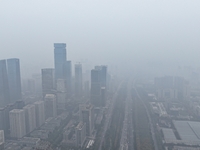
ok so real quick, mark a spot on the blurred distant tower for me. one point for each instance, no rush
(14, 79)
(87, 117)
(4, 87)
(50, 106)
(95, 94)
(40, 113)
(48, 81)
(60, 56)
(68, 77)
(78, 79)
(98, 86)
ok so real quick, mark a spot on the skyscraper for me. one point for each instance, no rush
(98, 85)
(14, 79)
(95, 94)
(30, 117)
(48, 81)
(104, 76)
(68, 77)
(4, 86)
(40, 113)
(78, 79)
(87, 117)
(80, 131)
(17, 123)
(59, 59)
(50, 106)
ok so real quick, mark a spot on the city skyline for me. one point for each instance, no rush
(149, 33)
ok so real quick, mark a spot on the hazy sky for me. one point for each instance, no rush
(127, 32)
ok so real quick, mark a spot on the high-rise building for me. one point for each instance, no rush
(68, 77)
(87, 117)
(61, 95)
(95, 93)
(30, 117)
(60, 57)
(103, 96)
(50, 106)
(40, 113)
(17, 123)
(48, 81)
(104, 76)
(78, 79)
(98, 86)
(4, 86)
(2, 140)
(4, 117)
(80, 131)
(14, 79)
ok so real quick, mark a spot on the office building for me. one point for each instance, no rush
(87, 117)
(60, 56)
(4, 86)
(104, 76)
(50, 106)
(61, 95)
(48, 81)
(103, 96)
(95, 92)
(80, 132)
(4, 117)
(40, 113)
(30, 118)
(17, 123)
(60, 85)
(2, 140)
(68, 77)
(14, 79)
(78, 79)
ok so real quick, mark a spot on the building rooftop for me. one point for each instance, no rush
(16, 110)
(188, 130)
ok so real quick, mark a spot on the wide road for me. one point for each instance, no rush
(150, 122)
(127, 136)
(109, 116)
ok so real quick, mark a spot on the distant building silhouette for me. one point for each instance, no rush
(95, 93)
(78, 79)
(14, 79)
(87, 117)
(59, 59)
(98, 86)
(4, 86)
(50, 106)
(68, 77)
(40, 113)
(48, 81)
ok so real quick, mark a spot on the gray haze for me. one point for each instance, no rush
(126, 33)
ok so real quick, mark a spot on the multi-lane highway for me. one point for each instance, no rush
(109, 116)
(150, 121)
(127, 136)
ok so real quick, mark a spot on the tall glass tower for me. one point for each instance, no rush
(14, 79)
(4, 87)
(60, 56)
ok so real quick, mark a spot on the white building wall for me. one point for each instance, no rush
(17, 123)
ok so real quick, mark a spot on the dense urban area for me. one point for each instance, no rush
(97, 109)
